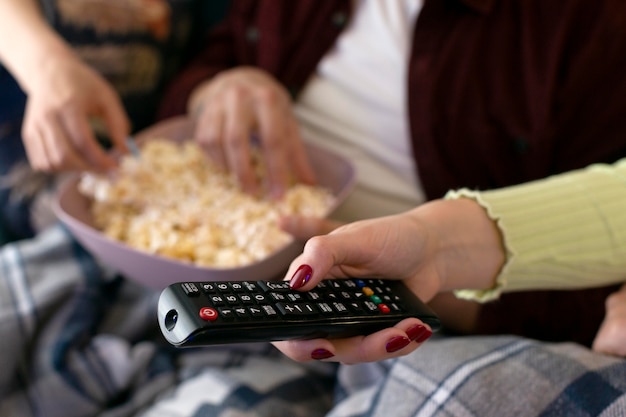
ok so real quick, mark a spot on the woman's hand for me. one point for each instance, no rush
(245, 104)
(439, 246)
(57, 133)
(611, 338)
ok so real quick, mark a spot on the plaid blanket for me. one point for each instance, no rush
(78, 340)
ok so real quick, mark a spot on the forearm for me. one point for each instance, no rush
(563, 232)
(38, 42)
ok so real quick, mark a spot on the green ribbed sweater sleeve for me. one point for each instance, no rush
(564, 232)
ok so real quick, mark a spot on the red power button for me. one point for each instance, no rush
(208, 314)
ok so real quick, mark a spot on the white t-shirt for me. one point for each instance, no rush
(356, 105)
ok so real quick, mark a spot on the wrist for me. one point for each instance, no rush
(46, 65)
(469, 246)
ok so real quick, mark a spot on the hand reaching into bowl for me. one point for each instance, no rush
(246, 103)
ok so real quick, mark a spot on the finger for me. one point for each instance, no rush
(307, 350)
(83, 140)
(208, 134)
(303, 228)
(32, 137)
(300, 163)
(611, 338)
(59, 153)
(238, 125)
(116, 121)
(273, 135)
(333, 255)
(402, 339)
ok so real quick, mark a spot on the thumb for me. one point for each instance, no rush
(303, 228)
(335, 255)
(116, 121)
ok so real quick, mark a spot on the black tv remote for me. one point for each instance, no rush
(212, 313)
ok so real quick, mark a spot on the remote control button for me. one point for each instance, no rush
(383, 308)
(227, 313)
(217, 300)
(325, 308)
(277, 296)
(190, 289)
(395, 308)
(348, 283)
(336, 285)
(270, 312)
(331, 296)
(208, 314)
(359, 295)
(208, 287)
(313, 295)
(250, 286)
(295, 297)
(370, 307)
(260, 298)
(255, 312)
(340, 308)
(322, 285)
(356, 307)
(345, 295)
(378, 290)
(274, 285)
(300, 309)
(368, 291)
(231, 299)
(246, 299)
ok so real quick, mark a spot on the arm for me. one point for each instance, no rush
(438, 246)
(63, 93)
(454, 244)
(233, 97)
(564, 232)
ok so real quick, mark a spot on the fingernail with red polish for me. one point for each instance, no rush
(301, 277)
(419, 333)
(319, 354)
(396, 343)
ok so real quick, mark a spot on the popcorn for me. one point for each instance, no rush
(174, 202)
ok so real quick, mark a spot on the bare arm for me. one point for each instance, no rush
(39, 43)
(63, 94)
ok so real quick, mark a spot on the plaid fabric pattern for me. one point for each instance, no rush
(490, 376)
(77, 340)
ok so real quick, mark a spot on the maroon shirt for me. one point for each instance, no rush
(500, 92)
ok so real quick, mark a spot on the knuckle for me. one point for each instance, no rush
(615, 299)
(237, 94)
(315, 245)
(268, 96)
